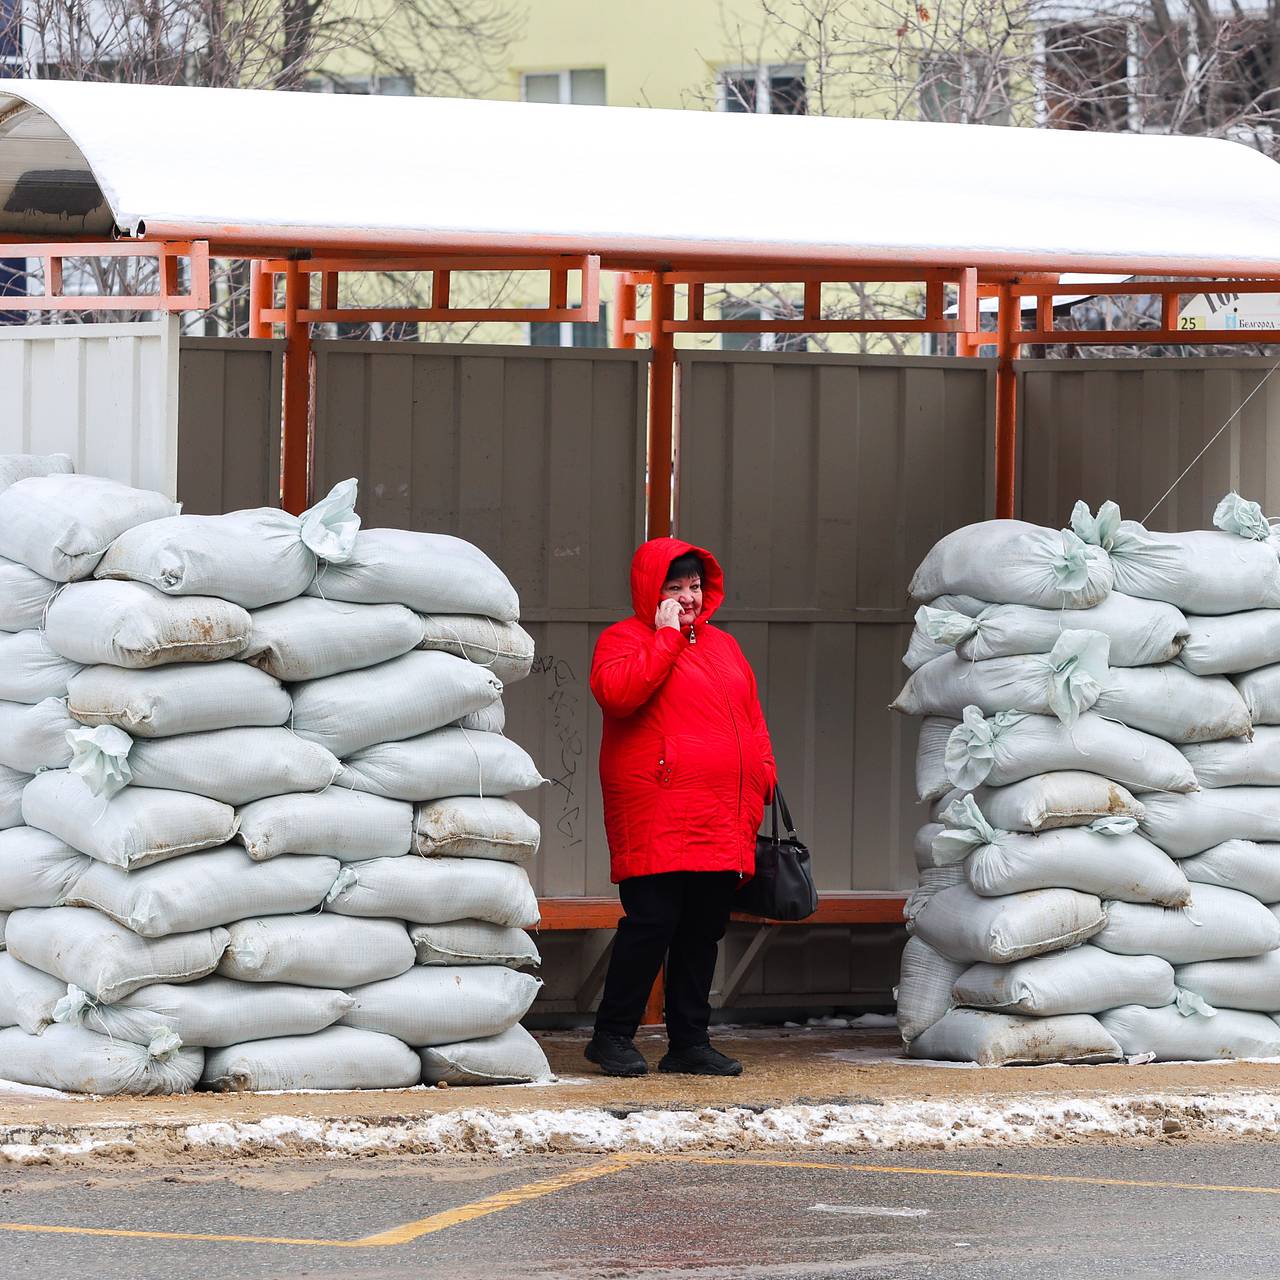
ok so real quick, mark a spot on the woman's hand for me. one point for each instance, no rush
(668, 615)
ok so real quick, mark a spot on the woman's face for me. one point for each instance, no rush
(688, 591)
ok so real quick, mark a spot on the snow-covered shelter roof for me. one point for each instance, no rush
(414, 174)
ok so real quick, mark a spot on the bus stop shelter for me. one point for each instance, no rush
(309, 189)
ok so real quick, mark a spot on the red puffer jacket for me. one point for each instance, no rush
(685, 762)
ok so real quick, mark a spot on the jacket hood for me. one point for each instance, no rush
(649, 568)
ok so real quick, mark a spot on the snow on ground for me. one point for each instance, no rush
(885, 1126)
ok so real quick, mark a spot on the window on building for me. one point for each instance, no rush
(1088, 77)
(571, 333)
(742, 309)
(955, 90)
(383, 86)
(583, 88)
(765, 90)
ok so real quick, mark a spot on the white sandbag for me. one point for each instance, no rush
(213, 1012)
(490, 719)
(1063, 683)
(193, 697)
(923, 993)
(202, 890)
(1260, 690)
(1175, 1037)
(128, 624)
(1015, 563)
(1141, 632)
(1203, 571)
(35, 737)
(921, 648)
(27, 996)
(351, 826)
(1121, 866)
(430, 1006)
(78, 1061)
(1238, 762)
(932, 781)
(931, 881)
(12, 785)
(336, 1058)
(23, 466)
(434, 890)
(1238, 864)
(316, 950)
(962, 925)
(1082, 980)
(253, 558)
(105, 959)
(475, 942)
(511, 1057)
(133, 828)
(471, 827)
(24, 593)
(4, 919)
(503, 648)
(404, 698)
(1048, 801)
(1251, 983)
(1220, 924)
(308, 639)
(447, 762)
(922, 846)
(37, 869)
(235, 766)
(1171, 703)
(1010, 747)
(1234, 643)
(1184, 825)
(30, 670)
(1007, 1040)
(429, 572)
(60, 525)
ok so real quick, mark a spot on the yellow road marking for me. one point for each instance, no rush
(912, 1170)
(502, 1200)
(396, 1235)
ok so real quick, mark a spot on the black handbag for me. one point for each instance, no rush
(782, 887)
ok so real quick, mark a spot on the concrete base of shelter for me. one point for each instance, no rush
(841, 1090)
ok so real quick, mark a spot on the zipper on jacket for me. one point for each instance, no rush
(733, 720)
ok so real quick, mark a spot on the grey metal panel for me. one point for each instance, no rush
(1126, 429)
(229, 424)
(537, 456)
(821, 481)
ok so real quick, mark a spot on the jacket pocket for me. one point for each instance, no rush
(667, 759)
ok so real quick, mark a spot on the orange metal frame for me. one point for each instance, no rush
(170, 296)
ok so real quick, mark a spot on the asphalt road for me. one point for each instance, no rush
(774, 1215)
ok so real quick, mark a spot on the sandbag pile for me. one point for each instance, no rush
(255, 830)
(1100, 748)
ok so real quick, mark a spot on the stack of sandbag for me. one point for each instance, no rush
(1100, 875)
(267, 838)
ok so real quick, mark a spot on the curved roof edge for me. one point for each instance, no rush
(279, 170)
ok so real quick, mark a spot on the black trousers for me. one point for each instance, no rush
(679, 916)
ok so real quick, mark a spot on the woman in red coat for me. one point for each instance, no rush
(685, 768)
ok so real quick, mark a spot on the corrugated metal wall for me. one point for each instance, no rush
(537, 456)
(821, 481)
(107, 394)
(229, 424)
(1125, 429)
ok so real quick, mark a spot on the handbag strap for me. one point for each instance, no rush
(780, 801)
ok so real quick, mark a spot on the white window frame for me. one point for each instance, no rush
(762, 73)
(565, 75)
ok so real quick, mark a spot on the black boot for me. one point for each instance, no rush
(616, 1055)
(700, 1060)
